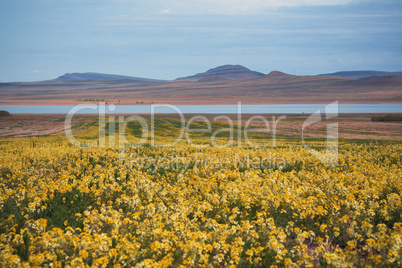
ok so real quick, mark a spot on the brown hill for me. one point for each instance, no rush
(275, 88)
(277, 74)
(228, 71)
(213, 79)
(386, 80)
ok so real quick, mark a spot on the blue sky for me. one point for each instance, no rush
(44, 39)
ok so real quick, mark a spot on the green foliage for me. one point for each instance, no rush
(63, 207)
(23, 248)
(386, 118)
(4, 113)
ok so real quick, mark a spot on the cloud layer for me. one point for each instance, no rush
(172, 38)
(228, 6)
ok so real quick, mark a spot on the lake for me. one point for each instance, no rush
(211, 109)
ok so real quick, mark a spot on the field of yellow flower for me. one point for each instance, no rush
(187, 206)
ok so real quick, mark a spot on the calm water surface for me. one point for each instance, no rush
(211, 109)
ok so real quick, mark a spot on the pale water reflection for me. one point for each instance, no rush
(214, 109)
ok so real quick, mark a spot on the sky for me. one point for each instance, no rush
(44, 39)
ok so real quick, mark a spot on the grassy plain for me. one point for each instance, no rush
(352, 126)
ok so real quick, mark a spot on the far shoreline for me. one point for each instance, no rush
(59, 104)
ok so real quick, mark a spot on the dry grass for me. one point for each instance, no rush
(31, 125)
(355, 126)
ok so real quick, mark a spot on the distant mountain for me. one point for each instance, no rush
(227, 71)
(99, 76)
(214, 79)
(274, 88)
(395, 80)
(277, 74)
(363, 74)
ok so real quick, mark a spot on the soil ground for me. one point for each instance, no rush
(350, 126)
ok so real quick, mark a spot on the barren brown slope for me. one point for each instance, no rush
(275, 88)
(226, 71)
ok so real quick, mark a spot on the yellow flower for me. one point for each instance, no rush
(84, 254)
(250, 252)
(113, 252)
(209, 247)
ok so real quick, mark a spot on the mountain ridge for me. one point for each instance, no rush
(277, 74)
(274, 88)
(226, 71)
(100, 76)
(219, 73)
(362, 74)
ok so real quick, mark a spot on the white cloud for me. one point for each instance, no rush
(259, 6)
(166, 11)
(224, 6)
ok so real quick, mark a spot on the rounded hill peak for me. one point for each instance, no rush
(276, 74)
(226, 71)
